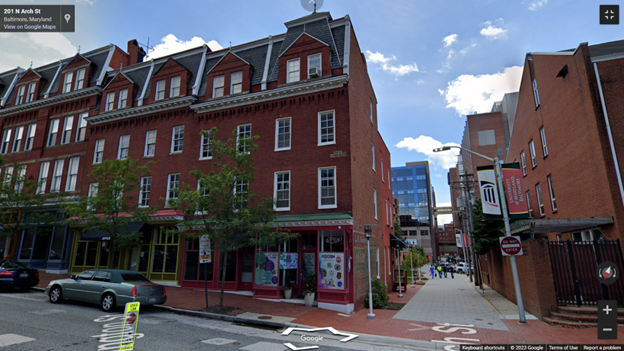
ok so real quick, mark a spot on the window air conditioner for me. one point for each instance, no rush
(314, 72)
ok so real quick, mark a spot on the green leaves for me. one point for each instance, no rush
(485, 233)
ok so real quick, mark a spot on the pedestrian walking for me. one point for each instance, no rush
(439, 271)
(451, 269)
(432, 269)
(444, 270)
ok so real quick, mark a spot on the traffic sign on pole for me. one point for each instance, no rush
(511, 245)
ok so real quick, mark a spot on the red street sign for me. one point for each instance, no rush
(131, 318)
(511, 245)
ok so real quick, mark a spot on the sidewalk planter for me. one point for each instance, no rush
(287, 293)
(309, 299)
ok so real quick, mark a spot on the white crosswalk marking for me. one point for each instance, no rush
(264, 346)
(218, 341)
(44, 312)
(12, 339)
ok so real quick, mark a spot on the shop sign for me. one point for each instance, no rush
(205, 255)
(331, 271)
(266, 268)
(333, 239)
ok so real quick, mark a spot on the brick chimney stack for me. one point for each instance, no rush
(135, 52)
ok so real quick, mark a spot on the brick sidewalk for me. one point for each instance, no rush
(384, 324)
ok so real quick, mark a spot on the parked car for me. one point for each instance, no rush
(16, 274)
(461, 267)
(110, 288)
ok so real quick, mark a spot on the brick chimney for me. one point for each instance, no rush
(135, 52)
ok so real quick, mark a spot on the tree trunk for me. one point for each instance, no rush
(224, 261)
(7, 246)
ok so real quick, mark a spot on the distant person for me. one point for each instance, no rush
(432, 269)
(439, 271)
(451, 269)
(444, 270)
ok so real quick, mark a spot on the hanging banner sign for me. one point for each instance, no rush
(459, 240)
(489, 191)
(516, 200)
(205, 255)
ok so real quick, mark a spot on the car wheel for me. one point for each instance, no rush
(108, 302)
(56, 294)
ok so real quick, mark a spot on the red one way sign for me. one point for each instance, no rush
(511, 245)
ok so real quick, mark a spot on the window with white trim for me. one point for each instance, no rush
(529, 204)
(177, 139)
(124, 147)
(241, 191)
(281, 192)
(20, 95)
(314, 66)
(523, 163)
(236, 82)
(69, 76)
(42, 183)
(54, 126)
(218, 84)
(145, 191)
(389, 179)
(293, 74)
(202, 187)
(371, 112)
(80, 77)
(382, 172)
(8, 176)
(31, 92)
(375, 201)
(532, 151)
(175, 86)
(540, 203)
(326, 128)
(243, 138)
(150, 143)
(544, 146)
(110, 101)
(205, 153)
(387, 214)
(20, 178)
(123, 98)
(282, 134)
(67, 129)
(19, 135)
(173, 187)
(98, 154)
(82, 126)
(553, 203)
(373, 155)
(57, 176)
(327, 187)
(93, 191)
(536, 94)
(160, 90)
(72, 174)
(30, 136)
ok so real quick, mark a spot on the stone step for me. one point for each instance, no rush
(569, 324)
(593, 310)
(580, 317)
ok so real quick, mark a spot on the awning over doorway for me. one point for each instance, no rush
(99, 235)
(554, 225)
(394, 240)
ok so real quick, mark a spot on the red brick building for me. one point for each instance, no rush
(306, 94)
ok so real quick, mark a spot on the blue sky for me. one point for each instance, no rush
(430, 62)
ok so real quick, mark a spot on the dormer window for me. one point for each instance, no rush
(218, 86)
(236, 85)
(314, 66)
(80, 76)
(160, 90)
(293, 71)
(20, 94)
(123, 98)
(110, 101)
(175, 87)
(31, 92)
(69, 76)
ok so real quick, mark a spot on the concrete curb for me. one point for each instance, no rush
(222, 317)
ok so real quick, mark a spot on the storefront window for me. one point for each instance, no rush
(56, 250)
(332, 261)
(27, 243)
(230, 268)
(165, 252)
(86, 253)
(35, 246)
(266, 268)
(104, 251)
(289, 263)
(332, 241)
(193, 270)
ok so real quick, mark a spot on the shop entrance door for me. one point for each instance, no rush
(247, 267)
(308, 259)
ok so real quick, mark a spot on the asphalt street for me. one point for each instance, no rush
(28, 321)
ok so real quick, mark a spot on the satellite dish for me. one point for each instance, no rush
(312, 5)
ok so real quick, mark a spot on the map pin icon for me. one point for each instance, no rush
(67, 17)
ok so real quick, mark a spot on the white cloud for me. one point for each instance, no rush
(420, 81)
(425, 145)
(468, 93)
(397, 70)
(536, 5)
(19, 49)
(85, 2)
(445, 219)
(493, 33)
(449, 40)
(465, 50)
(56, 41)
(170, 44)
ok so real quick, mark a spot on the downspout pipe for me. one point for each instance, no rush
(609, 134)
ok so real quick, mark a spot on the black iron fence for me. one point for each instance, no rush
(575, 265)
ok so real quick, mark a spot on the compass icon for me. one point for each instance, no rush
(608, 272)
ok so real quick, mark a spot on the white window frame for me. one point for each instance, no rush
(375, 202)
(244, 186)
(532, 151)
(320, 65)
(57, 176)
(535, 93)
(387, 214)
(217, 90)
(124, 147)
(20, 177)
(291, 70)
(236, 82)
(17, 142)
(382, 172)
(373, 156)
(529, 204)
(30, 96)
(287, 120)
(8, 176)
(80, 77)
(30, 137)
(205, 146)
(171, 182)
(523, 163)
(276, 190)
(174, 90)
(53, 134)
(389, 179)
(333, 134)
(371, 112)
(82, 126)
(110, 101)
(72, 174)
(544, 145)
(150, 139)
(68, 125)
(42, 183)
(21, 91)
(177, 139)
(69, 77)
(540, 203)
(551, 190)
(238, 137)
(159, 93)
(145, 190)
(93, 191)
(98, 153)
(123, 99)
(335, 205)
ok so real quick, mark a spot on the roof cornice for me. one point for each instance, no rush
(272, 94)
(155, 107)
(37, 104)
(313, 17)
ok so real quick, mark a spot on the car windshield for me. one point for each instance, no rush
(12, 264)
(129, 277)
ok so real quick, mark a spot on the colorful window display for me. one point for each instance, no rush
(331, 271)
(266, 268)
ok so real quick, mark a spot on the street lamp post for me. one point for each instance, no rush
(412, 264)
(501, 192)
(399, 277)
(370, 315)
(461, 235)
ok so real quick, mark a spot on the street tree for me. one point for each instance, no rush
(222, 204)
(111, 208)
(485, 233)
(416, 258)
